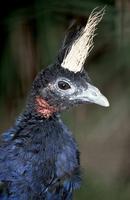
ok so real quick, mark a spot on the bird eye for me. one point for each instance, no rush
(63, 85)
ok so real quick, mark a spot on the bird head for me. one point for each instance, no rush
(65, 83)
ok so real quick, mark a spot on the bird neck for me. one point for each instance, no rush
(38, 107)
(43, 108)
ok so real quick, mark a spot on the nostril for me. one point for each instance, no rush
(94, 94)
(93, 90)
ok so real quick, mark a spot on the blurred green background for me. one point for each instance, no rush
(30, 37)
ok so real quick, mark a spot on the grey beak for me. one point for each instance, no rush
(93, 95)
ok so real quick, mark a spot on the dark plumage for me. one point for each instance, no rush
(39, 158)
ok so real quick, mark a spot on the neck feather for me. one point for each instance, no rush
(43, 108)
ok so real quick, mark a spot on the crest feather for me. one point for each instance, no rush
(81, 47)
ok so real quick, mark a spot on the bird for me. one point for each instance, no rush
(39, 157)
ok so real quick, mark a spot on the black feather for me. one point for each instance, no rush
(39, 158)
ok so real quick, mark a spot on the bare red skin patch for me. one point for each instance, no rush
(43, 108)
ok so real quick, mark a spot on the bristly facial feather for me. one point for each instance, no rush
(79, 50)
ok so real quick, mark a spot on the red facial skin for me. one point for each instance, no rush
(43, 108)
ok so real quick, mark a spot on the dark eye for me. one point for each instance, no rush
(63, 85)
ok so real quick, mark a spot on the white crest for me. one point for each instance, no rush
(82, 46)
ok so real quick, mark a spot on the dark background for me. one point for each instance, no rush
(30, 36)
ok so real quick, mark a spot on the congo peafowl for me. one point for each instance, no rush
(39, 158)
